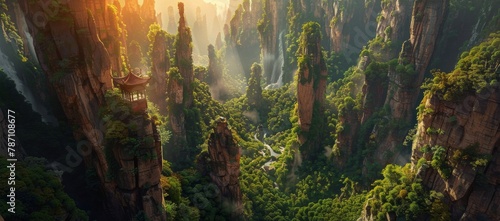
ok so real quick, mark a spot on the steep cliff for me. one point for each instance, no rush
(406, 76)
(225, 167)
(311, 85)
(78, 66)
(458, 134)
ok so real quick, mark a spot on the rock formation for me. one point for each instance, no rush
(137, 20)
(458, 133)
(160, 65)
(224, 164)
(471, 190)
(171, 27)
(183, 56)
(311, 85)
(200, 32)
(254, 89)
(180, 96)
(214, 75)
(148, 13)
(404, 83)
(271, 24)
(78, 65)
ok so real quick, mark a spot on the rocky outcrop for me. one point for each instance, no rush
(200, 32)
(78, 66)
(160, 65)
(171, 27)
(148, 13)
(183, 56)
(350, 26)
(224, 154)
(214, 75)
(137, 20)
(254, 89)
(311, 85)
(243, 44)
(468, 131)
(404, 82)
(394, 22)
(271, 24)
(180, 96)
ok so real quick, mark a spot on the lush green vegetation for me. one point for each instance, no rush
(476, 72)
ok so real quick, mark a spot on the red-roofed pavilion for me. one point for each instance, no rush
(133, 90)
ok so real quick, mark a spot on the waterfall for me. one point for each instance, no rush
(36, 105)
(277, 76)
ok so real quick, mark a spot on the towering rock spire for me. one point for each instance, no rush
(160, 65)
(171, 21)
(254, 90)
(183, 56)
(225, 163)
(311, 85)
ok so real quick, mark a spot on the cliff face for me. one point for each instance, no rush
(78, 66)
(459, 134)
(225, 167)
(468, 132)
(349, 39)
(404, 83)
(394, 22)
(311, 84)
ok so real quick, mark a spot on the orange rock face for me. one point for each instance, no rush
(471, 188)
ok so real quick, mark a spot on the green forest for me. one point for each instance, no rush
(252, 110)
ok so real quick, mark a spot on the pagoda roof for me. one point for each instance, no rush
(131, 80)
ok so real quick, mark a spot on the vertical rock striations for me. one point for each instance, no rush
(311, 85)
(426, 22)
(225, 167)
(405, 77)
